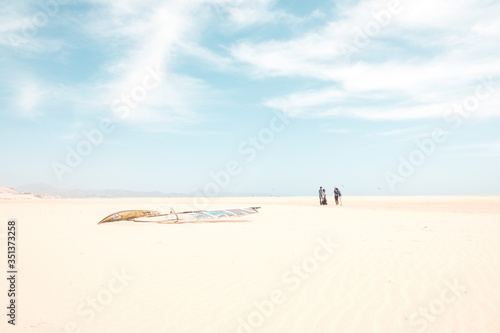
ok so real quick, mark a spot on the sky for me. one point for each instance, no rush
(262, 97)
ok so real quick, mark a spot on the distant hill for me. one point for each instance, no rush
(5, 190)
(42, 191)
(45, 189)
(9, 193)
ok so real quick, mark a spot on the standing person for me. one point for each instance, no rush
(338, 196)
(320, 194)
(323, 198)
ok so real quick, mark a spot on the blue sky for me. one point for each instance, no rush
(252, 97)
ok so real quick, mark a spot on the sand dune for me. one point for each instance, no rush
(377, 264)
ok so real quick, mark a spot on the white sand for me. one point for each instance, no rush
(394, 264)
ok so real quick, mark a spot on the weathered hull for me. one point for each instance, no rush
(129, 215)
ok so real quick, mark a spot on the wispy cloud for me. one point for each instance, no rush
(156, 35)
(428, 134)
(477, 149)
(242, 14)
(21, 24)
(134, 36)
(336, 130)
(31, 95)
(418, 81)
(414, 67)
(370, 105)
(396, 132)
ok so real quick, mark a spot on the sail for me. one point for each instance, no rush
(154, 216)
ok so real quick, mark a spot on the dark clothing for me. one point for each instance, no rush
(337, 194)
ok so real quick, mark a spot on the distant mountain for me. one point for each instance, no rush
(45, 189)
(9, 193)
(41, 190)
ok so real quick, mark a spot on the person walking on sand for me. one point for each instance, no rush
(338, 196)
(323, 198)
(320, 194)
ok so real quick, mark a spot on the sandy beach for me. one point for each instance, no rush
(376, 264)
(128, 109)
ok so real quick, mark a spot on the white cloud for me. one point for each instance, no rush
(149, 35)
(477, 149)
(436, 66)
(428, 56)
(245, 13)
(238, 14)
(154, 34)
(172, 105)
(428, 134)
(22, 24)
(396, 132)
(207, 56)
(30, 97)
(137, 35)
(336, 130)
